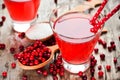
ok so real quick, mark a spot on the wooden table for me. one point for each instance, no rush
(113, 32)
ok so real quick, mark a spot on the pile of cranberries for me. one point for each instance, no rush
(34, 54)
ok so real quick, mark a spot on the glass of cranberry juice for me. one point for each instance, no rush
(22, 12)
(76, 42)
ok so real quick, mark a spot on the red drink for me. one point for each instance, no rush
(22, 10)
(75, 40)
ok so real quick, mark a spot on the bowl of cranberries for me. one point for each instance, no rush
(36, 55)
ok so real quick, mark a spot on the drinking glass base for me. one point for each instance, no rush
(76, 68)
(21, 27)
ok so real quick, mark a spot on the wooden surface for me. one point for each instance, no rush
(7, 37)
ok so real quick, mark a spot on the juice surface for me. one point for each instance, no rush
(74, 38)
(22, 10)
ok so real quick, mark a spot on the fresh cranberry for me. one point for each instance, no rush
(39, 71)
(112, 42)
(96, 50)
(118, 68)
(113, 47)
(21, 35)
(92, 78)
(115, 60)
(92, 70)
(55, 78)
(108, 68)
(80, 73)
(24, 77)
(102, 57)
(45, 73)
(3, 18)
(2, 46)
(1, 23)
(84, 77)
(12, 49)
(4, 74)
(13, 64)
(99, 67)
(21, 48)
(104, 44)
(15, 56)
(3, 6)
(119, 38)
(100, 74)
(109, 48)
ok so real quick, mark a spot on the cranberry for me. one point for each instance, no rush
(4, 74)
(99, 67)
(45, 73)
(108, 67)
(96, 50)
(39, 71)
(21, 48)
(21, 35)
(84, 77)
(1, 23)
(3, 18)
(24, 77)
(15, 56)
(119, 38)
(118, 68)
(112, 42)
(80, 73)
(13, 64)
(3, 6)
(100, 74)
(102, 57)
(55, 78)
(2, 46)
(113, 46)
(115, 60)
(12, 49)
(109, 48)
(92, 78)
(104, 44)
(92, 70)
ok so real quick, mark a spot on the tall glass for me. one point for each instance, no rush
(22, 12)
(71, 27)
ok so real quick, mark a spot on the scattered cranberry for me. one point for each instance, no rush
(108, 68)
(112, 42)
(21, 48)
(119, 38)
(104, 44)
(92, 78)
(80, 73)
(92, 70)
(24, 77)
(115, 60)
(84, 77)
(4, 74)
(55, 78)
(21, 35)
(15, 56)
(2, 46)
(100, 74)
(102, 57)
(99, 67)
(3, 6)
(96, 50)
(12, 49)
(118, 68)
(1, 23)
(45, 73)
(109, 48)
(13, 65)
(39, 71)
(3, 18)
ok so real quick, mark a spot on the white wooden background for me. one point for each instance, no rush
(46, 6)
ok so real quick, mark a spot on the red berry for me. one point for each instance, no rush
(45, 73)
(12, 50)
(21, 48)
(3, 6)
(21, 35)
(39, 71)
(2, 46)
(55, 78)
(100, 74)
(24, 77)
(119, 38)
(80, 73)
(96, 50)
(1, 23)
(4, 74)
(115, 60)
(92, 78)
(3, 18)
(108, 67)
(13, 64)
(102, 57)
(99, 67)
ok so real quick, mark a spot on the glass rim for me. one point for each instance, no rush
(86, 37)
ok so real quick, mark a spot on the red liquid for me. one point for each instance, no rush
(75, 51)
(22, 10)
